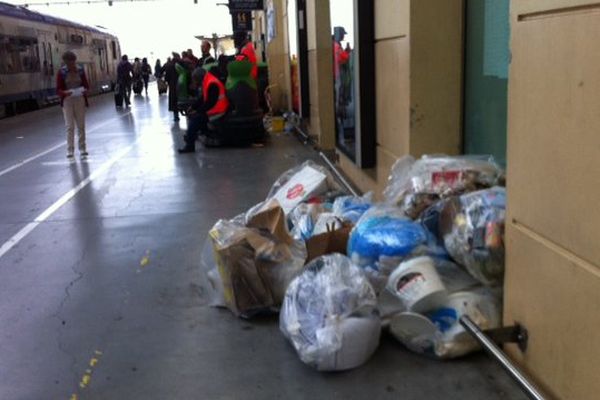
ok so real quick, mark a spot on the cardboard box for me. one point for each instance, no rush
(335, 241)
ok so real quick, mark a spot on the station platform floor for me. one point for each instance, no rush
(100, 287)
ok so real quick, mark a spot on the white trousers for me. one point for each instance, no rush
(74, 112)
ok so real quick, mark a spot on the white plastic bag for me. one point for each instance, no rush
(330, 315)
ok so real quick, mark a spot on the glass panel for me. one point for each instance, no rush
(293, 46)
(343, 30)
(487, 59)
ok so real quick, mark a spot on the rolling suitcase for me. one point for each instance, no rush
(162, 86)
(118, 99)
(138, 86)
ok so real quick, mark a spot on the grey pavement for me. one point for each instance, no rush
(75, 295)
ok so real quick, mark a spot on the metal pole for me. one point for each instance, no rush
(489, 346)
(303, 134)
(338, 174)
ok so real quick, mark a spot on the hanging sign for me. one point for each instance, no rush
(245, 5)
(242, 21)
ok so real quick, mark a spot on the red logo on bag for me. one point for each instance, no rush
(446, 178)
(295, 191)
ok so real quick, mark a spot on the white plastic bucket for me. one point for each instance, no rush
(480, 305)
(417, 284)
(415, 331)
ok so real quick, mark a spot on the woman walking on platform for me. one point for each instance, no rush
(72, 86)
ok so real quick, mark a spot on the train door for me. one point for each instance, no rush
(45, 57)
(91, 72)
(108, 69)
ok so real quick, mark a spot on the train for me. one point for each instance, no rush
(31, 48)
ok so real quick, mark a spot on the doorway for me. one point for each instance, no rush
(298, 52)
(487, 59)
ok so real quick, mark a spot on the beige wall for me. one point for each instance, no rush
(436, 58)
(278, 59)
(320, 67)
(553, 253)
(418, 79)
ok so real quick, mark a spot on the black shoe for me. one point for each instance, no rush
(187, 149)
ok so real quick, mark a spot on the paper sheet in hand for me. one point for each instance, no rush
(77, 92)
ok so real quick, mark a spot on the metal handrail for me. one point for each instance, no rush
(338, 175)
(499, 356)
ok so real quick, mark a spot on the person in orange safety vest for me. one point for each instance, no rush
(210, 106)
(221, 105)
(246, 50)
(340, 56)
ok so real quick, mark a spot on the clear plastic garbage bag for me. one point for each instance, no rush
(472, 227)
(414, 185)
(255, 263)
(303, 219)
(351, 208)
(210, 278)
(330, 315)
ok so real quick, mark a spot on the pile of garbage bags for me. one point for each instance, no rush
(341, 268)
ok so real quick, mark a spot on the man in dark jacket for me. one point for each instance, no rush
(171, 78)
(197, 112)
(124, 78)
(206, 58)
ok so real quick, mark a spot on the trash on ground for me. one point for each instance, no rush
(303, 219)
(300, 184)
(414, 185)
(330, 315)
(383, 237)
(351, 208)
(338, 268)
(256, 262)
(472, 227)
(439, 333)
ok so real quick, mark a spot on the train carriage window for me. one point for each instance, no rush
(28, 54)
(18, 54)
(114, 49)
(4, 56)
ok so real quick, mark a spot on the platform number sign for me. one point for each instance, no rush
(242, 21)
(245, 5)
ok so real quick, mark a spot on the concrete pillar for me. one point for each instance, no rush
(320, 73)
(278, 57)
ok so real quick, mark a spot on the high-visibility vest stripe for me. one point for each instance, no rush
(222, 105)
